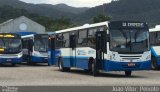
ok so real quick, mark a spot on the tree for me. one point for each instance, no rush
(101, 18)
(8, 12)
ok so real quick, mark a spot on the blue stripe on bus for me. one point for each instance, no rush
(39, 59)
(122, 66)
(82, 62)
(79, 62)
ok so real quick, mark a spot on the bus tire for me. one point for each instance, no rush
(128, 73)
(90, 66)
(94, 69)
(61, 66)
(154, 63)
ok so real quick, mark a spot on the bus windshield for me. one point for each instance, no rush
(10, 45)
(131, 41)
(41, 43)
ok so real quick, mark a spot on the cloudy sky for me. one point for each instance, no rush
(75, 3)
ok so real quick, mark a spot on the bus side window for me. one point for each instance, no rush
(24, 44)
(158, 38)
(66, 39)
(82, 38)
(91, 37)
(153, 38)
(59, 41)
(92, 32)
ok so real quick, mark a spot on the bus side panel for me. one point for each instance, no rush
(66, 58)
(37, 59)
(82, 62)
(55, 56)
(82, 56)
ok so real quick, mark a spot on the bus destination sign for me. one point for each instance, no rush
(132, 24)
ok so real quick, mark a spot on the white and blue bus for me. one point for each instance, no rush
(107, 46)
(155, 47)
(10, 48)
(35, 48)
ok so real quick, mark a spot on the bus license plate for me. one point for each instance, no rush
(131, 64)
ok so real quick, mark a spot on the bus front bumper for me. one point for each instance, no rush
(10, 60)
(124, 66)
(39, 59)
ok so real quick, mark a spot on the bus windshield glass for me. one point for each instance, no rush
(10, 45)
(131, 41)
(41, 43)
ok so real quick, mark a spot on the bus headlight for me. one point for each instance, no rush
(20, 55)
(148, 57)
(112, 56)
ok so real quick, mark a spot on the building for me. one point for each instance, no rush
(21, 24)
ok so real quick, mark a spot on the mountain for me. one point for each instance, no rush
(135, 10)
(54, 11)
(64, 8)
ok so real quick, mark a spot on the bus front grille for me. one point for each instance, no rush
(130, 57)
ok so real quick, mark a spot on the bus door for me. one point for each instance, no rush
(30, 49)
(52, 56)
(101, 48)
(73, 50)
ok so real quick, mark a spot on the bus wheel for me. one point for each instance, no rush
(61, 67)
(128, 73)
(154, 64)
(94, 69)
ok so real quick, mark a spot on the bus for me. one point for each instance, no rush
(35, 48)
(155, 47)
(106, 46)
(10, 48)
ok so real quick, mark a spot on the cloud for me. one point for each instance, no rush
(75, 3)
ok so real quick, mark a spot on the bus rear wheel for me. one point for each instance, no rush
(128, 73)
(94, 69)
(154, 63)
(61, 67)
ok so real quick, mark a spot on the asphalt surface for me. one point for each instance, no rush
(43, 75)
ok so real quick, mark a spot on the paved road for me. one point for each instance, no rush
(43, 75)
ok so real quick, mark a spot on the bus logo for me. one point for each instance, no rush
(81, 52)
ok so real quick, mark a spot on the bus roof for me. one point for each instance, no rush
(84, 27)
(157, 28)
(25, 33)
(26, 36)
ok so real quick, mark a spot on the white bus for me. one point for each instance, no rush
(155, 46)
(10, 48)
(35, 48)
(106, 46)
